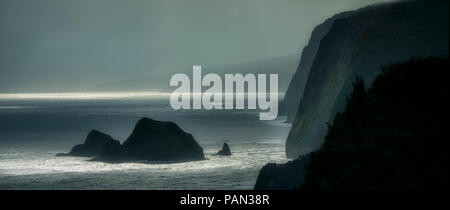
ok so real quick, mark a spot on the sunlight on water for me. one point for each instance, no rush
(33, 131)
(42, 170)
(245, 155)
(83, 96)
(105, 95)
(13, 107)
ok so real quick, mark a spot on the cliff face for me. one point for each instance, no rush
(298, 81)
(358, 45)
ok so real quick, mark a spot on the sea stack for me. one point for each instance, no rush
(150, 140)
(161, 141)
(225, 150)
(92, 146)
(111, 152)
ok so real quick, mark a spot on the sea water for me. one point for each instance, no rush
(35, 127)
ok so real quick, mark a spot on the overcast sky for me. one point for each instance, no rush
(72, 45)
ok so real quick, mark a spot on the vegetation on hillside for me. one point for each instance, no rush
(393, 135)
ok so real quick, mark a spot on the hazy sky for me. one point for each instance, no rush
(71, 45)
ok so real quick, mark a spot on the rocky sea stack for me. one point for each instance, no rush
(150, 140)
(92, 146)
(225, 150)
(161, 141)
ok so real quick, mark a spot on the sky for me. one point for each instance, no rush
(74, 45)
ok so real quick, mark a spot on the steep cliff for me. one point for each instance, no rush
(298, 81)
(358, 45)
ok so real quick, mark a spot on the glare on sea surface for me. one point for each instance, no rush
(83, 95)
(46, 163)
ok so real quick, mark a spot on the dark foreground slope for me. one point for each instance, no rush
(391, 136)
(287, 176)
(358, 45)
(394, 135)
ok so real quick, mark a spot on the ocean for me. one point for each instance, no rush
(35, 127)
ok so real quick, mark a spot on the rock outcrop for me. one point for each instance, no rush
(92, 146)
(150, 140)
(161, 141)
(225, 150)
(358, 45)
(111, 152)
(287, 176)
